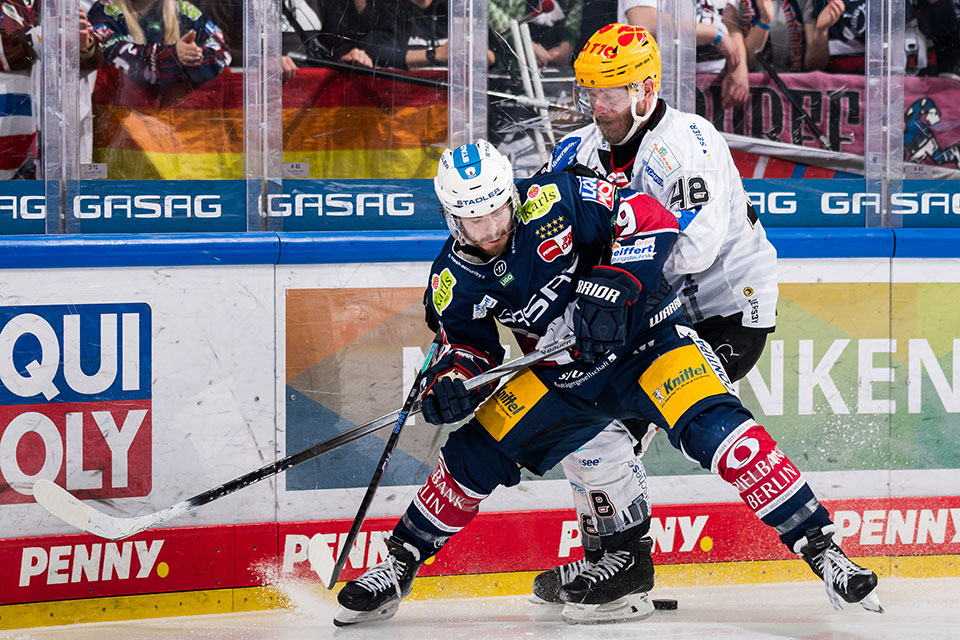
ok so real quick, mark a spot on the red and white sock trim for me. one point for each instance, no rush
(445, 503)
(750, 460)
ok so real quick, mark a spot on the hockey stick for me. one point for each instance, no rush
(59, 502)
(777, 80)
(388, 450)
(380, 72)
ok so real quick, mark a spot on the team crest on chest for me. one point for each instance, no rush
(663, 157)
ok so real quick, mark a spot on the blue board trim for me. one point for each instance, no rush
(153, 250)
(832, 243)
(927, 243)
(370, 246)
(141, 250)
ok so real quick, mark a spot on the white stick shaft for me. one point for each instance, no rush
(535, 77)
(522, 61)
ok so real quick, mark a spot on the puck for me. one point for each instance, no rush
(665, 605)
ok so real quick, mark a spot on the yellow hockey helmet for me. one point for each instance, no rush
(618, 55)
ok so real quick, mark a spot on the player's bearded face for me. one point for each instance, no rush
(610, 108)
(490, 233)
(611, 112)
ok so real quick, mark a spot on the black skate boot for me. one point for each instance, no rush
(376, 595)
(841, 576)
(613, 589)
(546, 586)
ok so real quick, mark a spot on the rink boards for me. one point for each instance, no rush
(137, 373)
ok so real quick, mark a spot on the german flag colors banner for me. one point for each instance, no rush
(342, 126)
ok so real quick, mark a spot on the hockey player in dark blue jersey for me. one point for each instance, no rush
(545, 257)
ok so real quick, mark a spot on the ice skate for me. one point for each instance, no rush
(376, 595)
(546, 586)
(841, 576)
(614, 589)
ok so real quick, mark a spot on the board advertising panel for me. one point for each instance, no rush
(135, 388)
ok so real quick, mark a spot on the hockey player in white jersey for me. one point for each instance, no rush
(722, 265)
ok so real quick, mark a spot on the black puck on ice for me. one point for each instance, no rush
(665, 605)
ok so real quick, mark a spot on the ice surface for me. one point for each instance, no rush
(916, 609)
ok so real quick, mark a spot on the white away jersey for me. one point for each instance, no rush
(722, 262)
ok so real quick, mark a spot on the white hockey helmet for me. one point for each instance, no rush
(473, 180)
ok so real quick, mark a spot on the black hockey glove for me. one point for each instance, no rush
(448, 401)
(600, 313)
(444, 398)
(582, 171)
(577, 169)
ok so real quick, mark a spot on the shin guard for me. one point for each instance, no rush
(441, 508)
(768, 482)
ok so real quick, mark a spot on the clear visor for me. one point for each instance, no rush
(602, 101)
(487, 228)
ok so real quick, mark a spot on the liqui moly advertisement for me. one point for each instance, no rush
(75, 399)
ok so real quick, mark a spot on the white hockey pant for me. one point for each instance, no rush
(609, 485)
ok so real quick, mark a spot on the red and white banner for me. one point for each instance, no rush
(217, 557)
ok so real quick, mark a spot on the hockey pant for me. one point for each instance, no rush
(738, 349)
(609, 488)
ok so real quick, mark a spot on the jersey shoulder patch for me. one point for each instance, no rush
(441, 288)
(597, 190)
(699, 139)
(541, 194)
(640, 214)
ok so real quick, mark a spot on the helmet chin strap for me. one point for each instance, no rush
(638, 121)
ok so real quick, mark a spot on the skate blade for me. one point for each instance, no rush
(630, 608)
(537, 600)
(871, 602)
(345, 617)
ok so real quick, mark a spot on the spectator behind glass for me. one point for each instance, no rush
(20, 82)
(554, 26)
(410, 34)
(791, 33)
(936, 21)
(20, 36)
(939, 20)
(337, 25)
(160, 42)
(719, 49)
(847, 36)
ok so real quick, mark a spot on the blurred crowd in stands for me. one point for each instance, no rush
(164, 43)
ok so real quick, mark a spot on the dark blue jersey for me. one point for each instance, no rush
(566, 225)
